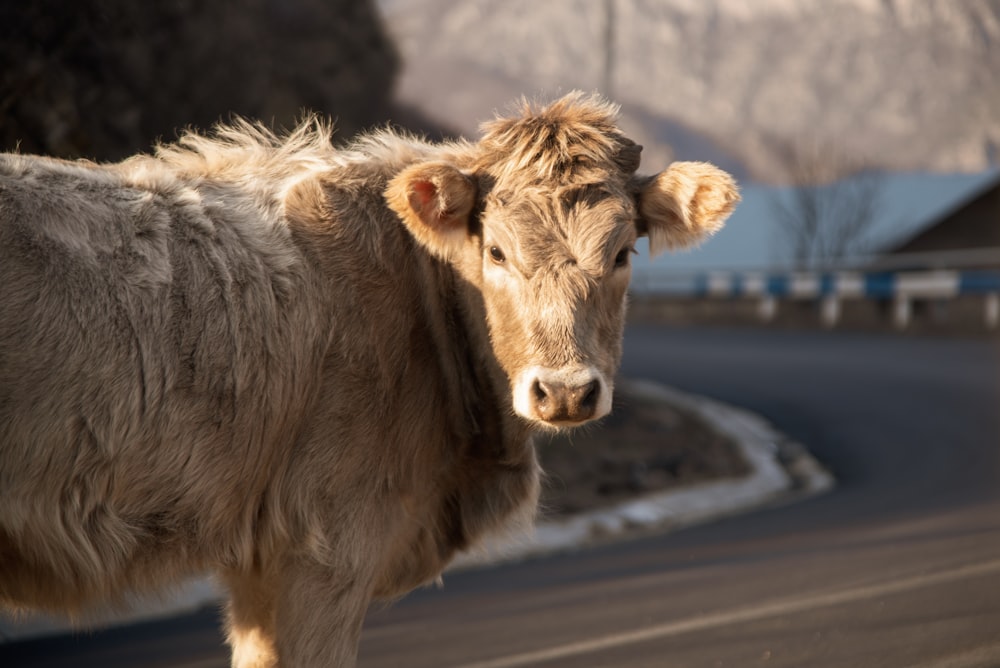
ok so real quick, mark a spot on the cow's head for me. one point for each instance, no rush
(543, 219)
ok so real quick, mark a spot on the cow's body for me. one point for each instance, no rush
(234, 357)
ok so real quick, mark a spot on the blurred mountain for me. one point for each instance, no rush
(890, 84)
(105, 78)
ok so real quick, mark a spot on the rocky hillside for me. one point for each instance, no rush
(105, 78)
(898, 84)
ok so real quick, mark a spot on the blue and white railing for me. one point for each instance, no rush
(830, 288)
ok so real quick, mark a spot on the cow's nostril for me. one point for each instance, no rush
(591, 392)
(538, 391)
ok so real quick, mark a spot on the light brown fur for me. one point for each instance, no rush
(299, 367)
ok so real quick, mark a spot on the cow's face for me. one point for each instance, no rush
(548, 239)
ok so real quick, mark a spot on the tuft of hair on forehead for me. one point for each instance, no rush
(574, 138)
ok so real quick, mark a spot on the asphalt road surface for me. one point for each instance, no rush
(899, 566)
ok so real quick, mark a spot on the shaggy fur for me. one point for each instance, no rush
(314, 372)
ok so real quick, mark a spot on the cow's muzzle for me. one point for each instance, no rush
(562, 397)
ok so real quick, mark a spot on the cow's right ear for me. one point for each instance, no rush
(684, 204)
(434, 200)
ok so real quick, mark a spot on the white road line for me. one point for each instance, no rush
(988, 655)
(741, 615)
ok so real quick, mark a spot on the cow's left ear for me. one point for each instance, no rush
(434, 200)
(684, 204)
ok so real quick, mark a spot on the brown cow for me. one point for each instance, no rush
(314, 372)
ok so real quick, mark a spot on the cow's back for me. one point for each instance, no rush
(157, 346)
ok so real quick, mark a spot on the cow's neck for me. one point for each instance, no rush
(499, 474)
(481, 383)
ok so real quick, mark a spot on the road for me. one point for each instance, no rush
(899, 566)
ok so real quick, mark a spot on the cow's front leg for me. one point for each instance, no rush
(320, 613)
(250, 628)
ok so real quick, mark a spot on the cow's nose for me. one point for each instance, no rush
(556, 402)
(562, 397)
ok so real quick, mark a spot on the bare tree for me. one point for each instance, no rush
(828, 212)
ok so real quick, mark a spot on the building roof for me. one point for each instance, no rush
(974, 223)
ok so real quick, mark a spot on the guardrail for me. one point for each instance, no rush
(830, 288)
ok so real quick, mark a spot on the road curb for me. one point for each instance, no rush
(782, 470)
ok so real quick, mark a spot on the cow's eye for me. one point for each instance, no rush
(497, 255)
(622, 258)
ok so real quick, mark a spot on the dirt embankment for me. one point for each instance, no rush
(643, 446)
